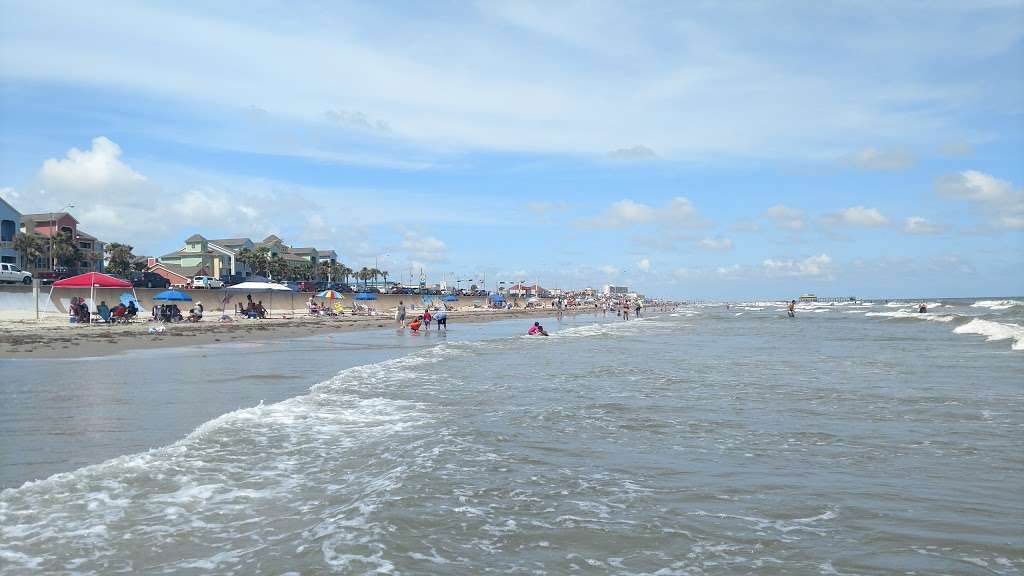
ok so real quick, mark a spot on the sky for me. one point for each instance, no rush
(688, 150)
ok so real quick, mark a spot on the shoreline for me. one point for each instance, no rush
(27, 339)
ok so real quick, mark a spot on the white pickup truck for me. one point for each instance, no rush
(11, 273)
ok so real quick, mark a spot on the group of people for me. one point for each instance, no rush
(120, 313)
(439, 316)
(78, 311)
(251, 309)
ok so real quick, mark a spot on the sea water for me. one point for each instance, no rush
(853, 439)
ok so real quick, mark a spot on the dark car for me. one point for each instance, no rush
(150, 280)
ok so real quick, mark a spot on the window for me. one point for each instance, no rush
(85, 245)
(9, 260)
(7, 229)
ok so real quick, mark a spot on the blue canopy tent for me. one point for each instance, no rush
(451, 298)
(366, 296)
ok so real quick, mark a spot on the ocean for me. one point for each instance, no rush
(852, 439)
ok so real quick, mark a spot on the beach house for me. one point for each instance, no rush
(201, 256)
(10, 223)
(48, 227)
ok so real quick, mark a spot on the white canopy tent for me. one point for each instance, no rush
(263, 287)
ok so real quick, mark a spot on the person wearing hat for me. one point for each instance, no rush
(196, 314)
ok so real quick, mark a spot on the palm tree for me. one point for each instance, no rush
(325, 268)
(65, 250)
(278, 268)
(120, 258)
(345, 272)
(304, 271)
(31, 248)
(364, 274)
(384, 273)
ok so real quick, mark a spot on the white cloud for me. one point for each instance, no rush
(715, 244)
(98, 169)
(644, 264)
(609, 270)
(811, 266)
(918, 225)
(872, 159)
(534, 76)
(9, 194)
(419, 246)
(679, 212)
(855, 216)
(998, 199)
(784, 217)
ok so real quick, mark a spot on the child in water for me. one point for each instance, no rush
(536, 330)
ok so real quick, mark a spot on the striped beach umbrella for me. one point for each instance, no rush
(330, 295)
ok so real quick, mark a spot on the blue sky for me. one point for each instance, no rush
(689, 150)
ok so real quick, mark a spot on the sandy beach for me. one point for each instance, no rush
(53, 337)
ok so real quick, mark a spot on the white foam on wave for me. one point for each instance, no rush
(997, 304)
(994, 331)
(908, 314)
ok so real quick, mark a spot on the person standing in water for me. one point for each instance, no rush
(442, 319)
(400, 313)
(792, 309)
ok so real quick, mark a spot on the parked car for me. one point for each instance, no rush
(207, 282)
(14, 275)
(150, 280)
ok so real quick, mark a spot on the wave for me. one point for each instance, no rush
(994, 331)
(907, 314)
(997, 304)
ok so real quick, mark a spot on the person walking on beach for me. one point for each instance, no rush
(442, 320)
(426, 317)
(625, 310)
(400, 313)
(792, 309)
(637, 308)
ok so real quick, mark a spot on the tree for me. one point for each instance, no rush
(140, 265)
(278, 268)
(345, 272)
(384, 273)
(65, 250)
(256, 260)
(119, 259)
(304, 271)
(364, 274)
(30, 247)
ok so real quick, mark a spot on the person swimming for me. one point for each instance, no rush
(922, 308)
(536, 330)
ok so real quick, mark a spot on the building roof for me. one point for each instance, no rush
(302, 250)
(326, 253)
(271, 240)
(292, 258)
(8, 204)
(229, 242)
(195, 238)
(85, 235)
(47, 216)
(183, 271)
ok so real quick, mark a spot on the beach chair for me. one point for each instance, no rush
(104, 314)
(338, 308)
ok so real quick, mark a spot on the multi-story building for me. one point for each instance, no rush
(10, 223)
(200, 256)
(610, 290)
(47, 226)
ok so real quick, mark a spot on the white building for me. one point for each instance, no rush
(610, 290)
